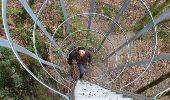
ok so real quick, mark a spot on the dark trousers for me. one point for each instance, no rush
(81, 69)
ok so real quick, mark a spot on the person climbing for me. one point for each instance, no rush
(82, 57)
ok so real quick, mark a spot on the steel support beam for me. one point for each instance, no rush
(119, 14)
(146, 61)
(33, 16)
(92, 5)
(141, 32)
(18, 48)
(65, 16)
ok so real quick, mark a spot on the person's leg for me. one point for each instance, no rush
(81, 69)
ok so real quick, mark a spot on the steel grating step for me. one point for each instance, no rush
(87, 91)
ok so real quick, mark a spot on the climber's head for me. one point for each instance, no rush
(81, 51)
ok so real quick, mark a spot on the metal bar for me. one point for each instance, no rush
(162, 91)
(141, 32)
(146, 61)
(92, 4)
(6, 28)
(65, 16)
(18, 48)
(33, 16)
(154, 46)
(120, 12)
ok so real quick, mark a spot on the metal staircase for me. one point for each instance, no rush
(85, 90)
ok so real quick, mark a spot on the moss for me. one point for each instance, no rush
(20, 85)
(23, 34)
(155, 9)
(73, 11)
(104, 8)
(41, 48)
(0, 20)
(39, 93)
(14, 10)
(8, 67)
(0, 13)
(31, 2)
(23, 13)
(107, 10)
(59, 34)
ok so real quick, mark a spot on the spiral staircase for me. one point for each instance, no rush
(107, 61)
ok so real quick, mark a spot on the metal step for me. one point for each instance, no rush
(87, 91)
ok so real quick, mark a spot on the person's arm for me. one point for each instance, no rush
(70, 58)
(89, 58)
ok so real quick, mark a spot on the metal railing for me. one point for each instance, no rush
(8, 43)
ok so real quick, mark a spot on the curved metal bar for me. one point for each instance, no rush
(141, 32)
(4, 18)
(116, 76)
(79, 40)
(154, 47)
(97, 51)
(35, 49)
(33, 16)
(124, 67)
(103, 47)
(88, 14)
(18, 48)
(84, 30)
(80, 15)
(112, 80)
(120, 12)
(161, 92)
